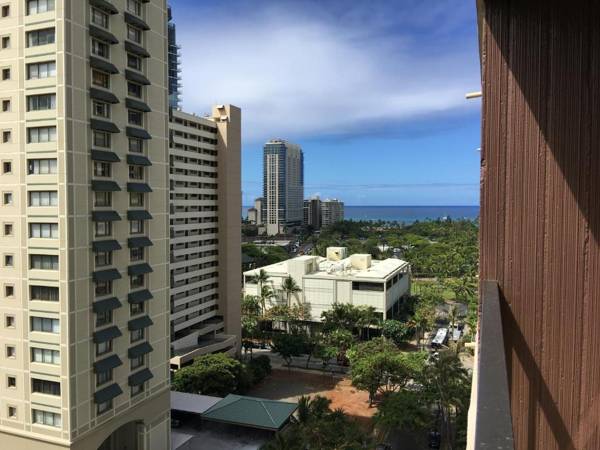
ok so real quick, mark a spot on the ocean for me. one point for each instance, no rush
(406, 214)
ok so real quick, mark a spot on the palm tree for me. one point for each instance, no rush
(260, 279)
(266, 293)
(452, 316)
(290, 287)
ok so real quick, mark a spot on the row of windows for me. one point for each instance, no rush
(103, 139)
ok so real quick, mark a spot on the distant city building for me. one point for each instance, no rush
(283, 186)
(312, 212)
(252, 215)
(255, 212)
(357, 280)
(173, 64)
(205, 233)
(332, 211)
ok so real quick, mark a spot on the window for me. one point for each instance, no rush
(41, 166)
(10, 321)
(44, 293)
(103, 288)
(102, 198)
(136, 199)
(137, 335)
(135, 117)
(45, 356)
(134, 89)
(46, 418)
(104, 377)
(9, 290)
(11, 382)
(43, 230)
(100, 79)
(6, 74)
(45, 325)
(5, 41)
(136, 308)
(37, 135)
(5, 10)
(101, 139)
(9, 260)
(135, 7)
(103, 347)
(136, 172)
(134, 34)
(41, 102)
(103, 229)
(43, 198)
(136, 281)
(7, 198)
(136, 226)
(5, 105)
(12, 412)
(8, 229)
(103, 259)
(137, 362)
(99, 18)
(7, 167)
(136, 145)
(40, 37)
(43, 262)
(101, 169)
(134, 62)
(45, 387)
(100, 48)
(135, 390)
(103, 318)
(11, 352)
(136, 253)
(103, 407)
(39, 6)
(41, 70)
(100, 109)
(6, 136)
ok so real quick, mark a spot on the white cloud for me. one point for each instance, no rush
(296, 76)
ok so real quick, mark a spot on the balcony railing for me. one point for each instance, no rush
(493, 421)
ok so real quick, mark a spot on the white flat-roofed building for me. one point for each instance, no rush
(338, 278)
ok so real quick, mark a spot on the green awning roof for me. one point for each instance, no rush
(137, 105)
(107, 363)
(139, 215)
(136, 49)
(108, 393)
(106, 335)
(139, 323)
(105, 216)
(251, 412)
(103, 65)
(135, 21)
(138, 160)
(104, 125)
(139, 296)
(106, 246)
(103, 155)
(108, 304)
(106, 275)
(103, 35)
(139, 269)
(105, 186)
(141, 241)
(106, 6)
(140, 377)
(105, 96)
(137, 77)
(138, 187)
(139, 133)
(139, 350)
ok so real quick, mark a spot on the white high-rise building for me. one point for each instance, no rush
(283, 186)
(332, 211)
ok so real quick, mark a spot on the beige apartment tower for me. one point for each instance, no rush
(206, 202)
(84, 244)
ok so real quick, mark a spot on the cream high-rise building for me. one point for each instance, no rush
(84, 248)
(206, 202)
(332, 211)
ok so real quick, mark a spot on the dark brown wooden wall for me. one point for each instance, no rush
(540, 215)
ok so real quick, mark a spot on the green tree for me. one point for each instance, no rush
(340, 339)
(290, 288)
(404, 410)
(216, 375)
(288, 346)
(398, 332)
(342, 316)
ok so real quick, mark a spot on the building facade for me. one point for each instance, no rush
(338, 278)
(283, 186)
(85, 275)
(205, 233)
(332, 211)
(312, 212)
(173, 62)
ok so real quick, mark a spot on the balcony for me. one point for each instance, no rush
(219, 343)
(490, 420)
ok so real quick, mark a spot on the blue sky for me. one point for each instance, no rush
(372, 90)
